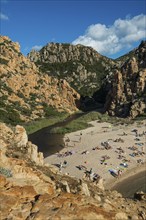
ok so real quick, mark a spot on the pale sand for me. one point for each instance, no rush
(92, 137)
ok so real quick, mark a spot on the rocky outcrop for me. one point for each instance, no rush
(30, 92)
(20, 136)
(18, 139)
(30, 190)
(82, 67)
(140, 196)
(128, 86)
(26, 93)
(119, 84)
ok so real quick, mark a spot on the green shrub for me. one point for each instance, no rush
(9, 115)
(34, 126)
(3, 61)
(33, 96)
(23, 110)
(20, 94)
(5, 172)
(50, 111)
(82, 122)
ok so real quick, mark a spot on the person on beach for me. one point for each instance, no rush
(67, 139)
(119, 173)
(60, 167)
(90, 171)
(124, 134)
(65, 163)
(91, 174)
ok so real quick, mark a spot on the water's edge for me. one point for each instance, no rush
(134, 183)
(47, 142)
(52, 143)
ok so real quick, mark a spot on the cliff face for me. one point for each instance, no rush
(29, 92)
(30, 189)
(82, 67)
(127, 96)
(26, 93)
(120, 83)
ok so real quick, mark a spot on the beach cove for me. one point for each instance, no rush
(104, 148)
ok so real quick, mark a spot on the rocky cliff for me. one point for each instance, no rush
(133, 53)
(29, 92)
(82, 67)
(30, 189)
(26, 93)
(120, 83)
(127, 95)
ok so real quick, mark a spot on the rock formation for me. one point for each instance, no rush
(30, 189)
(119, 83)
(26, 93)
(30, 92)
(127, 96)
(82, 67)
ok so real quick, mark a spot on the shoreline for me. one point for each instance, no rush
(128, 174)
(129, 186)
(86, 148)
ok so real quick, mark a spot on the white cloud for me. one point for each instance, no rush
(109, 40)
(37, 47)
(3, 17)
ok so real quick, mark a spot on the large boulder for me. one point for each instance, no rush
(140, 196)
(20, 137)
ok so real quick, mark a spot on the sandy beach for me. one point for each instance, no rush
(105, 148)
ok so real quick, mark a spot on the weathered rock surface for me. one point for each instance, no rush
(35, 191)
(26, 93)
(20, 137)
(29, 92)
(120, 83)
(140, 195)
(82, 67)
(127, 96)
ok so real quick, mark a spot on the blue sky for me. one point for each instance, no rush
(111, 27)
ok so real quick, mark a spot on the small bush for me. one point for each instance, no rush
(50, 111)
(9, 115)
(5, 172)
(82, 122)
(34, 126)
(3, 61)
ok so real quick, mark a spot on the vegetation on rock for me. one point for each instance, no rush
(40, 191)
(26, 93)
(81, 66)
